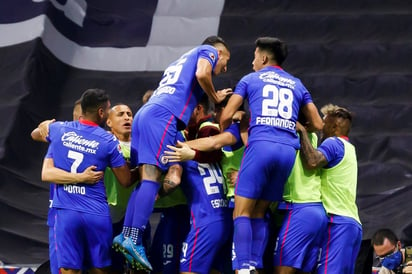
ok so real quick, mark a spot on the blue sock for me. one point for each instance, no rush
(144, 201)
(128, 218)
(260, 228)
(242, 239)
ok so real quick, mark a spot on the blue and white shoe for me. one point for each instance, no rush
(117, 242)
(137, 252)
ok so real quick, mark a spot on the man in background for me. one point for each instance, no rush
(390, 257)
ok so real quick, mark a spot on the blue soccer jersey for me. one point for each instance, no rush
(202, 184)
(76, 146)
(275, 98)
(179, 91)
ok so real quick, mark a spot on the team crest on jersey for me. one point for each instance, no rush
(212, 56)
(163, 159)
(119, 148)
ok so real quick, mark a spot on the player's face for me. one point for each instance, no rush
(224, 56)
(329, 126)
(120, 120)
(258, 61)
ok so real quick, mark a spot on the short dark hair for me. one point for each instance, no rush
(275, 46)
(213, 40)
(223, 103)
(205, 102)
(385, 233)
(94, 98)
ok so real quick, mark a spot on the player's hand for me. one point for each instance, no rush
(44, 128)
(90, 176)
(221, 94)
(407, 268)
(179, 153)
(233, 177)
(239, 115)
(300, 127)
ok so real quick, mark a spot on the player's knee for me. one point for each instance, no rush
(151, 172)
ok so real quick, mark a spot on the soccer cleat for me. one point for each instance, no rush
(117, 243)
(137, 252)
(132, 263)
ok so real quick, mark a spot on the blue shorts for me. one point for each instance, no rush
(153, 128)
(264, 170)
(168, 239)
(202, 249)
(301, 236)
(340, 246)
(83, 240)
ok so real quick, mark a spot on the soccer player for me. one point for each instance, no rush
(83, 227)
(43, 130)
(202, 183)
(305, 221)
(336, 157)
(172, 103)
(232, 146)
(174, 223)
(275, 98)
(77, 110)
(120, 123)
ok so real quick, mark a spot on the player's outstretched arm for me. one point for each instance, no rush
(180, 153)
(204, 78)
(42, 131)
(311, 158)
(214, 142)
(232, 106)
(311, 113)
(123, 175)
(185, 151)
(52, 174)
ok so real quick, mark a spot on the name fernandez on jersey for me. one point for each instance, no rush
(276, 122)
(77, 142)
